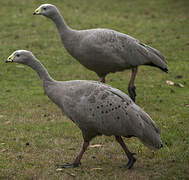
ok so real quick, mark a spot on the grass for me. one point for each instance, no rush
(35, 135)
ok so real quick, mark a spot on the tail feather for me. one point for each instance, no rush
(142, 126)
(154, 56)
(163, 69)
(146, 118)
(155, 51)
(151, 132)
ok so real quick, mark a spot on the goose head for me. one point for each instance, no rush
(20, 56)
(47, 10)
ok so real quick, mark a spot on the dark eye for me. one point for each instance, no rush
(44, 8)
(18, 55)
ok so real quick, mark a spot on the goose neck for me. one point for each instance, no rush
(61, 24)
(41, 71)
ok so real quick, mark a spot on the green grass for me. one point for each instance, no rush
(28, 116)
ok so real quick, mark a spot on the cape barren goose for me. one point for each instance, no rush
(96, 108)
(103, 50)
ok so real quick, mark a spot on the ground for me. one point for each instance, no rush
(36, 135)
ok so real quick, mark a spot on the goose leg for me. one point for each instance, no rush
(131, 87)
(77, 161)
(102, 79)
(130, 156)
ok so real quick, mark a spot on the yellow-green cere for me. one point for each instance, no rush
(38, 10)
(11, 57)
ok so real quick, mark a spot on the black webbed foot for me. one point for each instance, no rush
(131, 162)
(69, 165)
(132, 92)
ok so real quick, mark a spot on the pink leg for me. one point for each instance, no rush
(80, 155)
(130, 156)
(131, 87)
(102, 79)
(77, 161)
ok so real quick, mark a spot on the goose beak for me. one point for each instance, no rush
(10, 58)
(37, 11)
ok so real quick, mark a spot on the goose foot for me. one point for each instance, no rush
(131, 162)
(77, 161)
(69, 165)
(132, 92)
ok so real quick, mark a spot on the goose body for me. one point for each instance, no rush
(99, 109)
(96, 108)
(104, 50)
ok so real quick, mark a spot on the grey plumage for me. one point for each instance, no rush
(104, 50)
(96, 108)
